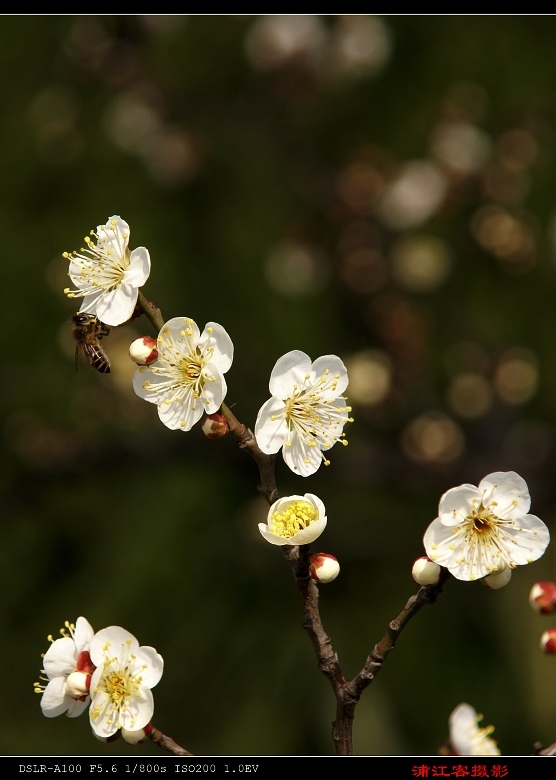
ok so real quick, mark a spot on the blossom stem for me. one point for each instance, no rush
(168, 744)
(150, 311)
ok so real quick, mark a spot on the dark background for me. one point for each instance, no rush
(383, 189)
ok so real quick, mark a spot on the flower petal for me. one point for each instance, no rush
(507, 493)
(271, 427)
(114, 307)
(54, 702)
(334, 366)
(289, 371)
(139, 267)
(458, 503)
(154, 664)
(60, 657)
(300, 456)
(215, 336)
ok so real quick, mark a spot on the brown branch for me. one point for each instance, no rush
(246, 441)
(383, 648)
(167, 743)
(150, 311)
(547, 751)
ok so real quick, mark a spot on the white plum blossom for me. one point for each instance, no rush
(485, 529)
(294, 520)
(107, 274)
(188, 377)
(68, 668)
(307, 412)
(466, 738)
(121, 683)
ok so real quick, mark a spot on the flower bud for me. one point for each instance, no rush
(323, 567)
(143, 351)
(137, 737)
(543, 597)
(215, 426)
(77, 685)
(497, 579)
(548, 641)
(425, 571)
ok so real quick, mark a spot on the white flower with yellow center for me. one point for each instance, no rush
(486, 529)
(307, 412)
(120, 686)
(188, 377)
(107, 274)
(68, 668)
(466, 738)
(294, 520)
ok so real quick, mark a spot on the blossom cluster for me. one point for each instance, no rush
(106, 671)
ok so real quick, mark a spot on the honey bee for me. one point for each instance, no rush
(88, 331)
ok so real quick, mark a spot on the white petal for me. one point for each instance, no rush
(103, 724)
(530, 539)
(60, 658)
(141, 377)
(289, 370)
(280, 541)
(222, 343)
(270, 433)
(213, 393)
(121, 644)
(436, 541)
(121, 227)
(116, 307)
(154, 665)
(509, 491)
(139, 711)
(305, 536)
(139, 267)
(334, 366)
(54, 701)
(83, 634)
(175, 330)
(300, 457)
(181, 416)
(458, 503)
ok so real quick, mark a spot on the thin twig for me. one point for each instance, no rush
(167, 743)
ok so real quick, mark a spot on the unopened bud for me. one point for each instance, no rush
(543, 597)
(425, 571)
(497, 579)
(548, 641)
(215, 426)
(137, 737)
(323, 567)
(77, 685)
(143, 351)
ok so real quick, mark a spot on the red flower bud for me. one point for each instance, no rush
(548, 642)
(543, 597)
(143, 351)
(323, 567)
(215, 426)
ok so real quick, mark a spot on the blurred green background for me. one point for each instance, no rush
(379, 188)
